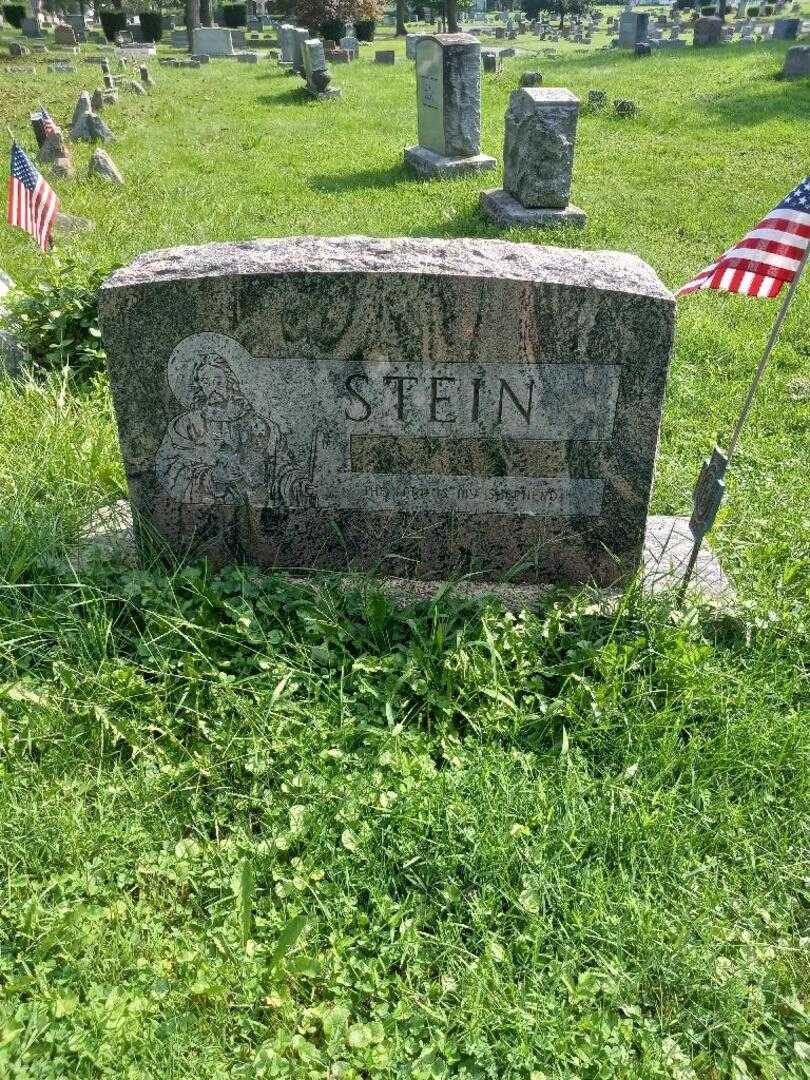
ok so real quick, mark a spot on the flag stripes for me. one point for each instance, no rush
(767, 257)
(32, 202)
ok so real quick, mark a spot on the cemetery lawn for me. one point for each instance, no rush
(258, 829)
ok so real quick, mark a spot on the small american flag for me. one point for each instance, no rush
(48, 126)
(766, 258)
(32, 203)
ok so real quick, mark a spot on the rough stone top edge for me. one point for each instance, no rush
(450, 39)
(472, 258)
(557, 95)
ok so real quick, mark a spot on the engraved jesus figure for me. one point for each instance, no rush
(222, 450)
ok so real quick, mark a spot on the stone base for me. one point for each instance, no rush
(429, 165)
(324, 95)
(286, 64)
(502, 208)
(667, 547)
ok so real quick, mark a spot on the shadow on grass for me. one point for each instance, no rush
(362, 179)
(296, 95)
(774, 98)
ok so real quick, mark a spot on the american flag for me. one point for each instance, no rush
(766, 258)
(48, 126)
(32, 203)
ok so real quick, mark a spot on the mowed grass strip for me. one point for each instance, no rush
(256, 829)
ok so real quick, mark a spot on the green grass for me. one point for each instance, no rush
(251, 828)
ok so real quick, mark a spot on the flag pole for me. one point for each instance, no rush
(772, 340)
(710, 487)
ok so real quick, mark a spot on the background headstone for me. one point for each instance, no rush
(64, 35)
(103, 166)
(285, 42)
(448, 95)
(54, 152)
(538, 161)
(299, 36)
(786, 29)
(316, 71)
(491, 61)
(632, 28)
(708, 31)
(411, 41)
(212, 40)
(32, 27)
(797, 62)
(351, 45)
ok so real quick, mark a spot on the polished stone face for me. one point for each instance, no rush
(422, 407)
(430, 95)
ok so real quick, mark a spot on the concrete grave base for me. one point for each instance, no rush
(430, 165)
(667, 547)
(504, 210)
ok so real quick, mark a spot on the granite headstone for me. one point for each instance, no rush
(448, 98)
(538, 161)
(417, 406)
(797, 63)
(316, 71)
(708, 31)
(786, 29)
(212, 40)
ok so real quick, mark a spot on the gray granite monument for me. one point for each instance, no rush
(786, 29)
(212, 40)
(299, 36)
(351, 45)
(64, 36)
(420, 407)
(285, 40)
(411, 41)
(797, 62)
(632, 28)
(538, 161)
(448, 101)
(79, 26)
(316, 72)
(708, 32)
(32, 26)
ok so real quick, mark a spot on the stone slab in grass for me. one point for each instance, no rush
(426, 164)
(505, 211)
(424, 407)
